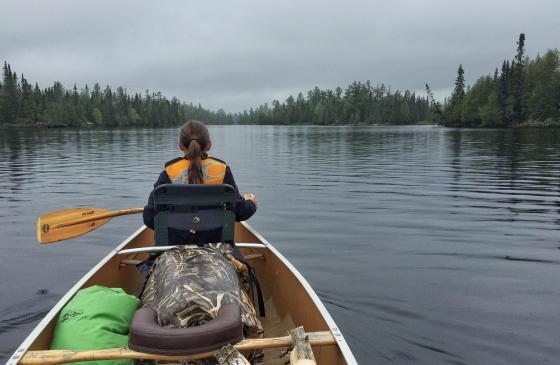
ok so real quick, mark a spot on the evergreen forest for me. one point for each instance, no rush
(22, 104)
(523, 92)
(360, 103)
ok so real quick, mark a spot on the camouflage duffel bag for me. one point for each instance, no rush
(188, 284)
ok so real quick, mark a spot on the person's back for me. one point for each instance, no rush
(196, 167)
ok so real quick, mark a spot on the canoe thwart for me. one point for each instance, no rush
(51, 357)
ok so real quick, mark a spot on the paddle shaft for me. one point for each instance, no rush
(114, 213)
(51, 357)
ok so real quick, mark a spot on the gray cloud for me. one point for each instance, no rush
(235, 55)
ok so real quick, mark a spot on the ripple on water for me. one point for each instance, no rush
(427, 245)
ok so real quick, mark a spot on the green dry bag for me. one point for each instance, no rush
(96, 318)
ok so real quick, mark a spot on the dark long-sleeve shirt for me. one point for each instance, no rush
(244, 209)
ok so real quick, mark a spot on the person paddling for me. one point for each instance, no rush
(196, 167)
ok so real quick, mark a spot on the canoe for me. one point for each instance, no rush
(289, 299)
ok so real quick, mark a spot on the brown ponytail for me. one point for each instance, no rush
(195, 138)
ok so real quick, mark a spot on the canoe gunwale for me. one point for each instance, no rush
(23, 348)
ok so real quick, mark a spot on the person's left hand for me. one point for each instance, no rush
(251, 197)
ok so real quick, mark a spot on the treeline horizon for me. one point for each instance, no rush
(522, 92)
(360, 103)
(22, 104)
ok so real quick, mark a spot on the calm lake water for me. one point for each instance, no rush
(427, 245)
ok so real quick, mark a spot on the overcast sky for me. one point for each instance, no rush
(238, 54)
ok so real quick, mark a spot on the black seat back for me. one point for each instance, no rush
(194, 214)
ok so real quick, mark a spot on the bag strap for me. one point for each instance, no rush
(254, 282)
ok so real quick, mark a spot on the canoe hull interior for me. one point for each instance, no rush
(289, 300)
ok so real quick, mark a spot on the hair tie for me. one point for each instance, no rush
(193, 139)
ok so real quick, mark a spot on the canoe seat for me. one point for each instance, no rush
(194, 214)
(146, 335)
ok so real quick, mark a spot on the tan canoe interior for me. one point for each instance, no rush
(287, 303)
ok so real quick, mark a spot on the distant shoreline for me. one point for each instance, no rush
(524, 125)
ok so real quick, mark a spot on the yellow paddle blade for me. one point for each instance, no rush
(64, 224)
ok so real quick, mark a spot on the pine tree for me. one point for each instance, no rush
(505, 94)
(9, 104)
(435, 106)
(27, 106)
(518, 68)
(38, 102)
(502, 88)
(454, 109)
(459, 90)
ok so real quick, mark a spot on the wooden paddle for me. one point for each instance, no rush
(68, 223)
(46, 357)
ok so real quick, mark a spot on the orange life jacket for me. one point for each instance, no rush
(213, 171)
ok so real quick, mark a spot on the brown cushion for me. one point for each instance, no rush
(146, 335)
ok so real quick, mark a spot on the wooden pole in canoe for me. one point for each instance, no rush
(302, 354)
(228, 355)
(51, 357)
